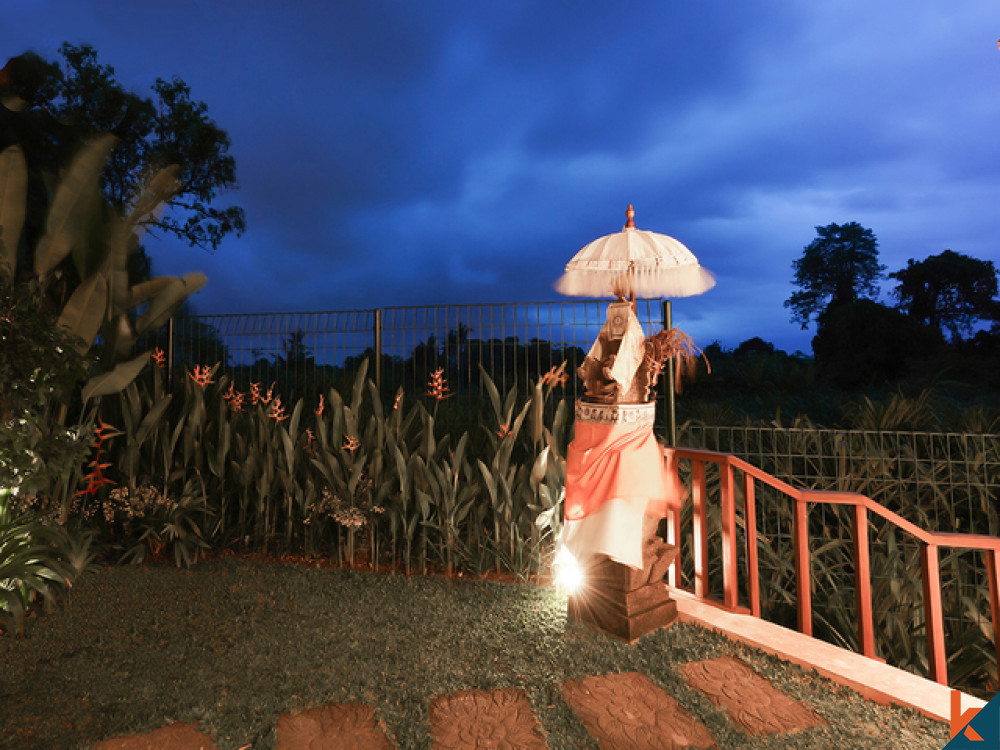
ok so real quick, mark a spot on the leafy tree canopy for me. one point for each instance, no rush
(838, 267)
(51, 108)
(949, 291)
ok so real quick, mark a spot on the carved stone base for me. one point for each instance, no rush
(625, 602)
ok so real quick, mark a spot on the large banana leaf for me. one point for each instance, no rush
(119, 338)
(70, 203)
(116, 380)
(165, 185)
(170, 298)
(84, 312)
(125, 235)
(146, 290)
(13, 199)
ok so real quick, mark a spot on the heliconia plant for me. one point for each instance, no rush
(352, 475)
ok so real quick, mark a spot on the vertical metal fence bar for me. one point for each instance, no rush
(377, 346)
(668, 323)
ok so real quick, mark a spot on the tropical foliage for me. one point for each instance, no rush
(46, 417)
(355, 479)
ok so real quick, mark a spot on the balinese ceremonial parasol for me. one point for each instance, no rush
(640, 263)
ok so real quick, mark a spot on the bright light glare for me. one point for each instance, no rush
(569, 574)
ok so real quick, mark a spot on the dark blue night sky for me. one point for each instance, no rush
(395, 153)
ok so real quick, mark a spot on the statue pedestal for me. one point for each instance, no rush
(625, 602)
(613, 461)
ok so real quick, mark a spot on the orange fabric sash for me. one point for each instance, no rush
(622, 460)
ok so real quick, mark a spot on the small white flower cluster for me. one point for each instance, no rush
(352, 518)
(327, 506)
(131, 504)
(42, 506)
(331, 506)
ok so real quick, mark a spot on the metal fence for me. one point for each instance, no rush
(941, 481)
(306, 353)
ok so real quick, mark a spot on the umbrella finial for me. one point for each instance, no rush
(630, 214)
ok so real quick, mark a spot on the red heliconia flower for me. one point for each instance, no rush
(95, 476)
(254, 393)
(319, 411)
(438, 385)
(159, 357)
(270, 395)
(277, 411)
(504, 430)
(234, 398)
(99, 433)
(201, 375)
(556, 376)
(351, 444)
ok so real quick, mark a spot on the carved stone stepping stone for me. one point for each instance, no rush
(170, 737)
(500, 718)
(751, 701)
(627, 711)
(335, 726)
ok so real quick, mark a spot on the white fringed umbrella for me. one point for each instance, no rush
(640, 263)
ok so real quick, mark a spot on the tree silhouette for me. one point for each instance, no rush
(838, 267)
(948, 291)
(51, 108)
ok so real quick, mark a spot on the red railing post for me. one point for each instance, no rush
(753, 572)
(931, 542)
(863, 582)
(730, 578)
(933, 615)
(803, 575)
(674, 537)
(993, 574)
(700, 523)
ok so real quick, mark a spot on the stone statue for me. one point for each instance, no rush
(623, 366)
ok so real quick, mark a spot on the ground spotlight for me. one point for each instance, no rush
(569, 574)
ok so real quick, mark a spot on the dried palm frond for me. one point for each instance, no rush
(672, 343)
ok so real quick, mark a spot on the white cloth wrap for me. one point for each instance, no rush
(615, 530)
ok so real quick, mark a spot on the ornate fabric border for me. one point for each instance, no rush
(616, 413)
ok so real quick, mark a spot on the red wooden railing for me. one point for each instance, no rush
(931, 542)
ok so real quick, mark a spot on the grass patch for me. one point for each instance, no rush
(231, 643)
